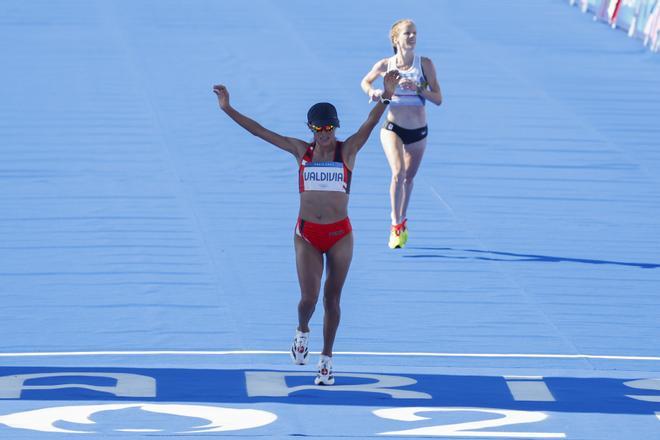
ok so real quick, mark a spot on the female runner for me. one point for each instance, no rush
(323, 228)
(403, 134)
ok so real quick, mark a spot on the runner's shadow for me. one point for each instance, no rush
(476, 254)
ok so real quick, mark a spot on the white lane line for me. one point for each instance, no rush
(353, 353)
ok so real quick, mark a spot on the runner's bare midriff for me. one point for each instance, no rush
(408, 116)
(323, 206)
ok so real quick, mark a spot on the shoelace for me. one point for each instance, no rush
(397, 229)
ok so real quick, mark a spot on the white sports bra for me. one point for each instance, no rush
(401, 96)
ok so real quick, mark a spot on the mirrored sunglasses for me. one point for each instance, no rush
(316, 128)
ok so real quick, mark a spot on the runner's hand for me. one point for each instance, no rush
(222, 94)
(390, 82)
(375, 94)
(408, 84)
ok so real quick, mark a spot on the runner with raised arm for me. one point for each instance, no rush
(323, 229)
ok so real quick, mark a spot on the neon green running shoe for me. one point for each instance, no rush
(404, 232)
(396, 237)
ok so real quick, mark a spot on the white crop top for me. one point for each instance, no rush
(408, 97)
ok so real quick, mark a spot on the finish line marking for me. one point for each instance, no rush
(354, 353)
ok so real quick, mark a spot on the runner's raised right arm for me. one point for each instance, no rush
(294, 146)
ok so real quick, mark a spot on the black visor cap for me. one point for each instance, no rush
(322, 114)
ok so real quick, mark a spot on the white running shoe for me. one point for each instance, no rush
(325, 375)
(299, 351)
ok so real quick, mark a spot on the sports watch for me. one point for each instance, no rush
(385, 100)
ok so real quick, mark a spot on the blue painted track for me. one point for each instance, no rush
(147, 278)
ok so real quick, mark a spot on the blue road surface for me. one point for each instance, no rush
(148, 284)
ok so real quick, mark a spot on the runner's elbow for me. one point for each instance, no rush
(365, 85)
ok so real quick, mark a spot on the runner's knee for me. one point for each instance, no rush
(331, 303)
(308, 302)
(399, 176)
